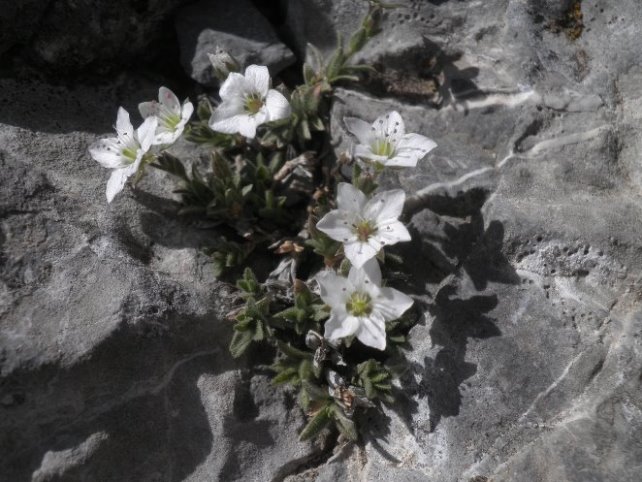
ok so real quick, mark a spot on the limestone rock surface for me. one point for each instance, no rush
(113, 330)
(87, 35)
(526, 263)
(236, 27)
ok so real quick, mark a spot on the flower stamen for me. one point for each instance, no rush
(364, 229)
(129, 153)
(253, 103)
(359, 304)
(383, 147)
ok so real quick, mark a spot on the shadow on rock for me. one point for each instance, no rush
(138, 401)
(449, 236)
(455, 321)
(452, 248)
(425, 74)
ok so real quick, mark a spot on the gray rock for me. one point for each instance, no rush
(18, 20)
(526, 251)
(113, 330)
(319, 21)
(525, 261)
(92, 34)
(237, 27)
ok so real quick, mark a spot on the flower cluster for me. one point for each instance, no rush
(360, 306)
(164, 122)
(246, 103)
(268, 187)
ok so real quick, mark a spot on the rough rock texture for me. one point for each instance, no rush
(237, 27)
(113, 336)
(17, 21)
(318, 21)
(526, 219)
(526, 260)
(78, 34)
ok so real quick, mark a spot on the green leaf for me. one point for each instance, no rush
(316, 424)
(358, 40)
(168, 163)
(305, 370)
(346, 426)
(240, 342)
(315, 392)
(293, 352)
(285, 376)
(248, 282)
(308, 73)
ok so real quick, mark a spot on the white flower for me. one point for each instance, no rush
(248, 102)
(386, 142)
(365, 226)
(124, 153)
(172, 116)
(359, 305)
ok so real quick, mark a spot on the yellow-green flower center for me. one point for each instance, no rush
(364, 229)
(359, 304)
(383, 147)
(253, 103)
(170, 121)
(129, 153)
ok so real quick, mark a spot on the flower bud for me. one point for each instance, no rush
(223, 63)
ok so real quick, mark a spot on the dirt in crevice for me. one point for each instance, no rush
(571, 23)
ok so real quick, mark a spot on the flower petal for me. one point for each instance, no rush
(391, 233)
(169, 100)
(234, 86)
(227, 125)
(397, 122)
(124, 127)
(227, 109)
(247, 125)
(146, 133)
(359, 252)
(417, 142)
(277, 105)
(337, 226)
(411, 149)
(349, 198)
(386, 124)
(365, 151)
(186, 112)
(148, 109)
(369, 273)
(404, 159)
(340, 325)
(334, 289)
(392, 303)
(385, 206)
(258, 79)
(107, 153)
(363, 131)
(372, 331)
(166, 138)
(116, 182)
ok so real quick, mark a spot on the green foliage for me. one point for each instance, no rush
(306, 313)
(324, 246)
(228, 254)
(248, 284)
(247, 191)
(375, 380)
(317, 423)
(294, 366)
(251, 325)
